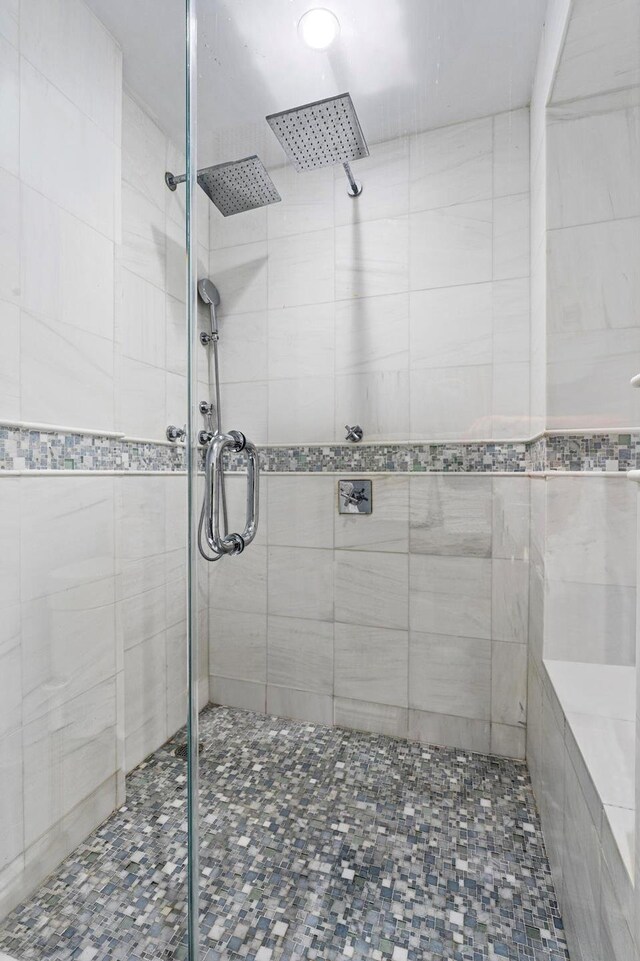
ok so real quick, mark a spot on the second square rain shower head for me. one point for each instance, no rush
(235, 186)
(322, 134)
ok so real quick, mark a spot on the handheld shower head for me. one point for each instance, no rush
(208, 292)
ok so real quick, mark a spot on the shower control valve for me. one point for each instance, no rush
(204, 437)
(354, 433)
(205, 408)
(176, 433)
(206, 338)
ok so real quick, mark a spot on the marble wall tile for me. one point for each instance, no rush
(241, 277)
(144, 240)
(451, 402)
(451, 327)
(593, 283)
(511, 237)
(581, 872)
(511, 153)
(246, 228)
(11, 712)
(451, 245)
(450, 675)
(451, 165)
(10, 361)
(468, 734)
(377, 400)
(11, 798)
(592, 168)
(386, 528)
(372, 334)
(588, 378)
(590, 531)
(600, 50)
(10, 21)
(511, 327)
(241, 585)
(238, 645)
(451, 515)
(300, 654)
(508, 741)
(300, 582)
(67, 755)
(301, 342)
(300, 705)
(553, 763)
(371, 258)
(302, 513)
(589, 622)
(371, 664)
(301, 269)
(66, 534)
(243, 694)
(376, 718)
(9, 231)
(145, 699)
(385, 178)
(244, 407)
(144, 148)
(508, 683)
(371, 588)
(146, 399)
(141, 616)
(66, 372)
(67, 267)
(307, 202)
(617, 940)
(78, 171)
(10, 107)
(450, 595)
(68, 644)
(301, 410)
(510, 600)
(510, 518)
(140, 319)
(65, 41)
(510, 401)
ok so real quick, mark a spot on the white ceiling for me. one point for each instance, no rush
(408, 64)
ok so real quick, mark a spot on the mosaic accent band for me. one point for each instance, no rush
(27, 449)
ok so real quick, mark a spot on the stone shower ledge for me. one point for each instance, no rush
(598, 702)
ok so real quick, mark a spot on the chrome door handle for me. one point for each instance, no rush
(230, 543)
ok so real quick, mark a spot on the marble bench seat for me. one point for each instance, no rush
(598, 702)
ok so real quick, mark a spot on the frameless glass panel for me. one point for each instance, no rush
(94, 506)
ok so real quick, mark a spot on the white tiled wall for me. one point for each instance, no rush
(411, 621)
(405, 310)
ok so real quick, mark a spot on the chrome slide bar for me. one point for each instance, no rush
(224, 543)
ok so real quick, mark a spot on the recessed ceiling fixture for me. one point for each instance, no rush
(319, 28)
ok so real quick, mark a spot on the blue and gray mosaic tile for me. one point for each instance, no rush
(35, 450)
(317, 843)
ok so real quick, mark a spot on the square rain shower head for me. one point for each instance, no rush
(238, 185)
(320, 134)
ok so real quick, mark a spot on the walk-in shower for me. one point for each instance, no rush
(341, 666)
(324, 133)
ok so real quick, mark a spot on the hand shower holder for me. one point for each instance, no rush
(231, 543)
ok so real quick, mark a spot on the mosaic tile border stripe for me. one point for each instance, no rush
(27, 449)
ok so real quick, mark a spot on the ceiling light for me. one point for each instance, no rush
(319, 28)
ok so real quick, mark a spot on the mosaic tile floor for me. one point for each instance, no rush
(318, 844)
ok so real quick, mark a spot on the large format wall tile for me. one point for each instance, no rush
(371, 588)
(300, 654)
(450, 675)
(385, 178)
(301, 269)
(372, 334)
(451, 327)
(45, 34)
(300, 342)
(372, 258)
(452, 165)
(371, 664)
(10, 107)
(378, 400)
(386, 528)
(511, 153)
(9, 231)
(10, 361)
(450, 595)
(300, 582)
(451, 245)
(451, 515)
